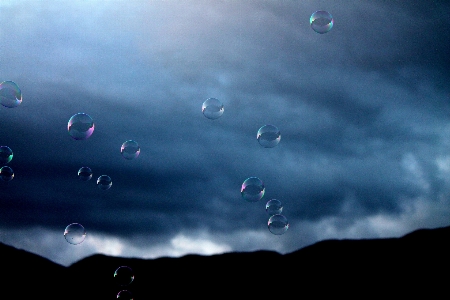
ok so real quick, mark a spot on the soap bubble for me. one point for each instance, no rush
(123, 275)
(125, 295)
(6, 155)
(104, 182)
(130, 149)
(212, 108)
(252, 189)
(10, 94)
(74, 233)
(268, 136)
(85, 173)
(80, 126)
(278, 224)
(6, 173)
(321, 21)
(274, 207)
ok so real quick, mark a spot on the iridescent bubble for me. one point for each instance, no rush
(130, 149)
(6, 173)
(80, 126)
(123, 275)
(268, 136)
(252, 189)
(104, 182)
(85, 173)
(321, 21)
(274, 207)
(10, 94)
(6, 155)
(278, 224)
(74, 233)
(212, 108)
(125, 295)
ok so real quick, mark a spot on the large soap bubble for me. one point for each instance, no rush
(80, 126)
(10, 94)
(74, 233)
(6, 155)
(212, 108)
(252, 189)
(268, 136)
(104, 182)
(6, 173)
(123, 275)
(130, 149)
(278, 224)
(321, 21)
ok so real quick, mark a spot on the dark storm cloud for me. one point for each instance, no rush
(363, 112)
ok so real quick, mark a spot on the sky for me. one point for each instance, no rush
(363, 111)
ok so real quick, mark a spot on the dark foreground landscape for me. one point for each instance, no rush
(418, 262)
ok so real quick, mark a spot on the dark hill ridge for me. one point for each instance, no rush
(416, 262)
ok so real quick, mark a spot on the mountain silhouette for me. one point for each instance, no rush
(415, 264)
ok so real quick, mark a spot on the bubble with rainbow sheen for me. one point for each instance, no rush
(273, 207)
(123, 275)
(6, 173)
(212, 108)
(268, 136)
(85, 173)
(278, 224)
(321, 21)
(74, 233)
(10, 94)
(6, 155)
(80, 126)
(130, 149)
(104, 182)
(125, 295)
(252, 189)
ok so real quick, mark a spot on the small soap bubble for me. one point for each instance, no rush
(123, 275)
(252, 189)
(85, 173)
(321, 21)
(268, 136)
(130, 149)
(10, 94)
(124, 295)
(6, 155)
(74, 233)
(274, 207)
(104, 182)
(80, 126)
(6, 173)
(278, 224)
(212, 108)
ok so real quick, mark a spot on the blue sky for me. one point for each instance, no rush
(363, 111)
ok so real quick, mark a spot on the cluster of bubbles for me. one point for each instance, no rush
(124, 276)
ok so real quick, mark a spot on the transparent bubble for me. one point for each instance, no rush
(80, 126)
(125, 295)
(278, 224)
(268, 136)
(321, 21)
(10, 94)
(6, 173)
(85, 173)
(252, 189)
(130, 149)
(104, 182)
(74, 233)
(212, 108)
(274, 207)
(123, 275)
(6, 155)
